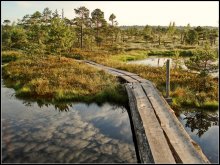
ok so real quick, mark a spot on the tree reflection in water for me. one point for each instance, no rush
(61, 107)
(200, 120)
(64, 106)
(117, 107)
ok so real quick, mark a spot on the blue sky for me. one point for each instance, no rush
(197, 13)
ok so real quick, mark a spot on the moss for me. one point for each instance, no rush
(23, 91)
(130, 56)
(17, 85)
(210, 105)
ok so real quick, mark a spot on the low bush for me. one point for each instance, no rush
(8, 56)
(169, 53)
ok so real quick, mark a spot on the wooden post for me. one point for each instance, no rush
(168, 81)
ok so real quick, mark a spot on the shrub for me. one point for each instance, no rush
(8, 56)
(74, 56)
(186, 53)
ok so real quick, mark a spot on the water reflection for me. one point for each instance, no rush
(203, 127)
(64, 133)
(161, 62)
(200, 121)
(64, 106)
(151, 61)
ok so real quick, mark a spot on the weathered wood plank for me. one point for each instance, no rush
(105, 69)
(138, 78)
(124, 72)
(128, 79)
(178, 138)
(95, 64)
(116, 70)
(114, 73)
(157, 120)
(157, 141)
(144, 151)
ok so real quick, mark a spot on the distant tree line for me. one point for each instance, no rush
(50, 32)
(171, 34)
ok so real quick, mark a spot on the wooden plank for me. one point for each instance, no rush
(113, 72)
(180, 141)
(98, 67)
(151, 106)
(95, 64)
(138, 78)
(128, 79)
(144, 151)
(157, 141)
(105, 69)
(124, 72)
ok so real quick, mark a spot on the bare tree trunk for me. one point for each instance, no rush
(81, 41)
(181, 38)
(159, 40)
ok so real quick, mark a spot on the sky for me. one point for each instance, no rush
(196, 13)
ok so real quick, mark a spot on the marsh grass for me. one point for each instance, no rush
(210, 105)
(11, 55)
(187, 89)
(130, 56)
(171, 53)
(60, 78)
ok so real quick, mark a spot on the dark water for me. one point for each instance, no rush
(203, 127)
(77, 133)
(81, 133)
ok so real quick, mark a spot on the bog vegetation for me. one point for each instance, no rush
(41, 51)
(56, 79)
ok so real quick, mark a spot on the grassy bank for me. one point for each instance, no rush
(171, 53)
(59, 79)
(11, 55)
(130, 55)
(56, 79)
(187, 89)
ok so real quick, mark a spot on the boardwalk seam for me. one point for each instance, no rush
(174, 153)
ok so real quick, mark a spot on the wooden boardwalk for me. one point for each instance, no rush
(160, 136)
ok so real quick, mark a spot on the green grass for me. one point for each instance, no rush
(210, 105)
(130, 56)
